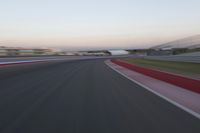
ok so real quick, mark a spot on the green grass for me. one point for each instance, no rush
(184, 68)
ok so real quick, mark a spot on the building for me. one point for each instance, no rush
(15, 51)
(3, 51)
(118, 52)
(159, 52)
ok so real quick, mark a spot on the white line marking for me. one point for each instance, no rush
(27, 61)
(197, 115)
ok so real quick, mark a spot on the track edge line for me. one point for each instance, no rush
(191, 112)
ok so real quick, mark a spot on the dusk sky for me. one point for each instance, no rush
(77, 24)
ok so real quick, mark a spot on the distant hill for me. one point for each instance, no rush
(189, 42)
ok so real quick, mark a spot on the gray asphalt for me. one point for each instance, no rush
(83, 97)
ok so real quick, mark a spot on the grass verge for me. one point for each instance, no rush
(183, 68)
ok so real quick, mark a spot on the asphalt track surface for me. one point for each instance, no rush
(83, 97)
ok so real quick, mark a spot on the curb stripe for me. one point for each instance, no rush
(191, 112)
(183, 82)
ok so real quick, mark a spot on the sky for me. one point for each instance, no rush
(96, 24)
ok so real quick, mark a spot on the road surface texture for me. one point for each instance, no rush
(83, 97)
